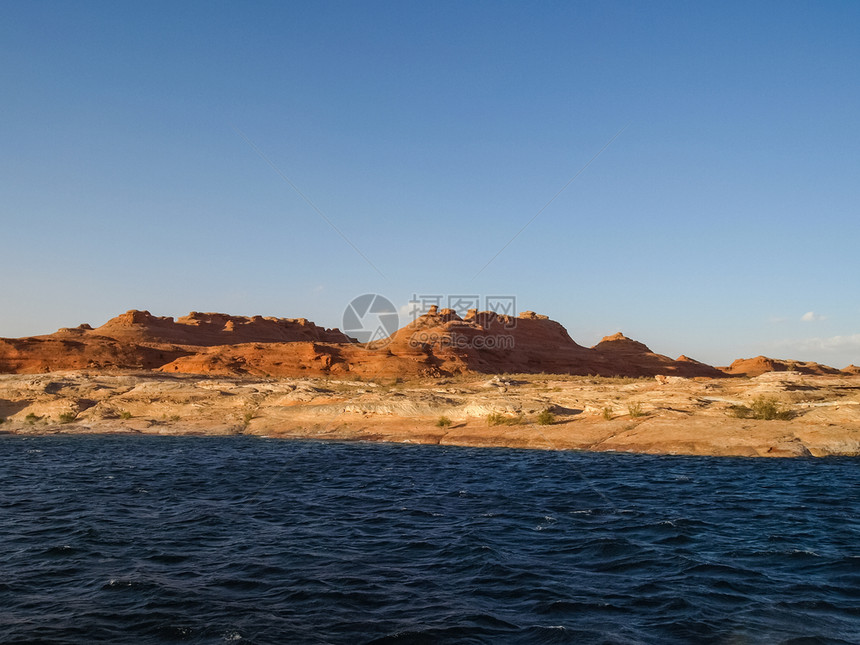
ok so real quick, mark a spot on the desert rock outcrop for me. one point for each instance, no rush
(761, 364)
(436, 344)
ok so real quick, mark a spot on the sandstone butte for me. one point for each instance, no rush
(212, 373)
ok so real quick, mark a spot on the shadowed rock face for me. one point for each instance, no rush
(436, 344)
(52, 353)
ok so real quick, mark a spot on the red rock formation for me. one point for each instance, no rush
(302, 359)
(211, 329)
(437, 343)
(761, 364)
(49, 354)
(492, 343)
(633, 358)
(209, 344)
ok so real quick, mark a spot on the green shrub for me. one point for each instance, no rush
(496, 419)
(443, 422)
(249, 416)
(546, 418)
(125, 414)
(762, 408)
(32, 418)
(607, 413)
(67, 417)
(768, 409)
(635, 410)
(175, 417)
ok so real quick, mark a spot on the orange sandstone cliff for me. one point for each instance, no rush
(435, 344)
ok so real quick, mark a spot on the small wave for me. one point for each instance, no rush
(802, 552)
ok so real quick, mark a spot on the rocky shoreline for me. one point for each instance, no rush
(819, 415)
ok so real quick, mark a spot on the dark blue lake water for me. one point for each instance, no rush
(211, 540)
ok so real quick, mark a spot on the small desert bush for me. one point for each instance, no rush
(32, 418)
(496, 419)
(546, 418)
(768, 409)
(249, 416)
(607, 413)
(2, 420)
(740, 412)
(635, 410)
(443, 422)
(67, 417)
(762, 408)
(125, 414)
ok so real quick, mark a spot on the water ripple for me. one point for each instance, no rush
(231, 540)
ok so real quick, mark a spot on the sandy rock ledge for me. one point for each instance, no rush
(646, 415)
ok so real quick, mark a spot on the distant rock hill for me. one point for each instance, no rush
(435, 344)
(209, 329)
(761, 364)
(639, 359)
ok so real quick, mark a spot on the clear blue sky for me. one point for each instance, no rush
(429, 134)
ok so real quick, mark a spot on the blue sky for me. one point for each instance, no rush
(722, 222)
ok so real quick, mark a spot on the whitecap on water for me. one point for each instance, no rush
(804, 552)
(547, 520)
